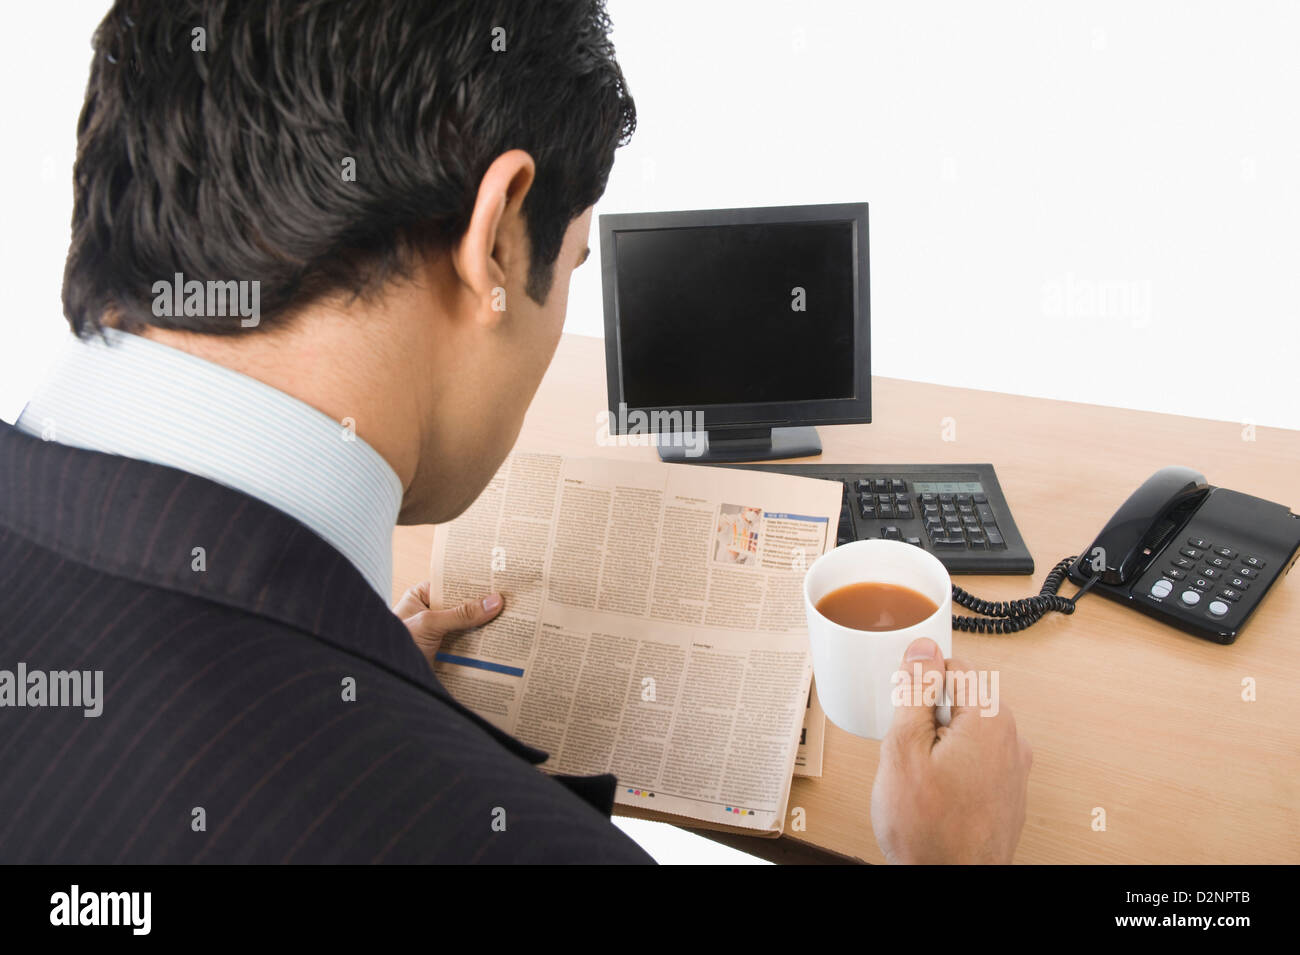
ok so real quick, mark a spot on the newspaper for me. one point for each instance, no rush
(653, 626)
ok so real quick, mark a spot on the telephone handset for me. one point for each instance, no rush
(1144, 523)
(1197, 557)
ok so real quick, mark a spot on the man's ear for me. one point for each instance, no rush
(496, 242)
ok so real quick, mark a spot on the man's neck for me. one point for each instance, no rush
(321, 360)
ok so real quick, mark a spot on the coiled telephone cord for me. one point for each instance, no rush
(1012, 616)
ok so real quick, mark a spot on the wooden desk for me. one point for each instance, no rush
(1125, 714)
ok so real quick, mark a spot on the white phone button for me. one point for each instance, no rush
(1161, 588)
(1218, 608)
(1191, 597)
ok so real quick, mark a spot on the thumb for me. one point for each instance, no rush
(918, 688)
(430, 626)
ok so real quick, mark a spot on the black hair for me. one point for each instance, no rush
(215, 133)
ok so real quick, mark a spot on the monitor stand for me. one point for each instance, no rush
(738, 444)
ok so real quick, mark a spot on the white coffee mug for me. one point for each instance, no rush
(855, 668)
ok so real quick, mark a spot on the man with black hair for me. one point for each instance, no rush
(319, 264)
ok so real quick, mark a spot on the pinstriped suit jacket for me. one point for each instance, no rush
(225, 735)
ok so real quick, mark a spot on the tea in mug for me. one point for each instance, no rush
(873, 606)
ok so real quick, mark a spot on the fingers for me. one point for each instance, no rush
(966, 700)
(413, 601)
(913, 726)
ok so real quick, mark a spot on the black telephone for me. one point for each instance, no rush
(1197, 557)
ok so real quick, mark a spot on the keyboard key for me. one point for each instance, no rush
(1175, 574)
(863, 485)
(898, 486)
(891, 533)
(1247, 572)
(994, 536)
(1250, 561)
(1184, 563)
(1199, 542)
(1238, 583)
(965, 499)
(880, 485)
(1210, 572)
(1227, 552)
(1193, 552)
(915, 542)
(929, 498)
(986, 513)
(949, 543)
(1221, 562)
(981, 499)
(1228, 593)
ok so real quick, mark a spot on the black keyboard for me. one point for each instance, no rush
(955, 511)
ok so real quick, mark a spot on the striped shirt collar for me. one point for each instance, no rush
(129, 396)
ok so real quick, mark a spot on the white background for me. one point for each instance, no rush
(1095, 201)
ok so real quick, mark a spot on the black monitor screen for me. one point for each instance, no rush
(714, 314)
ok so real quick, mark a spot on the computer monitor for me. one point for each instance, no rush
(730, 333)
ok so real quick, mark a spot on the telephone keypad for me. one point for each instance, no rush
(1210, 566)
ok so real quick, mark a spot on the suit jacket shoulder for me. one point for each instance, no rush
(267, 708)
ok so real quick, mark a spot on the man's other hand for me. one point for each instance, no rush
(428, 626)
(949, 794)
